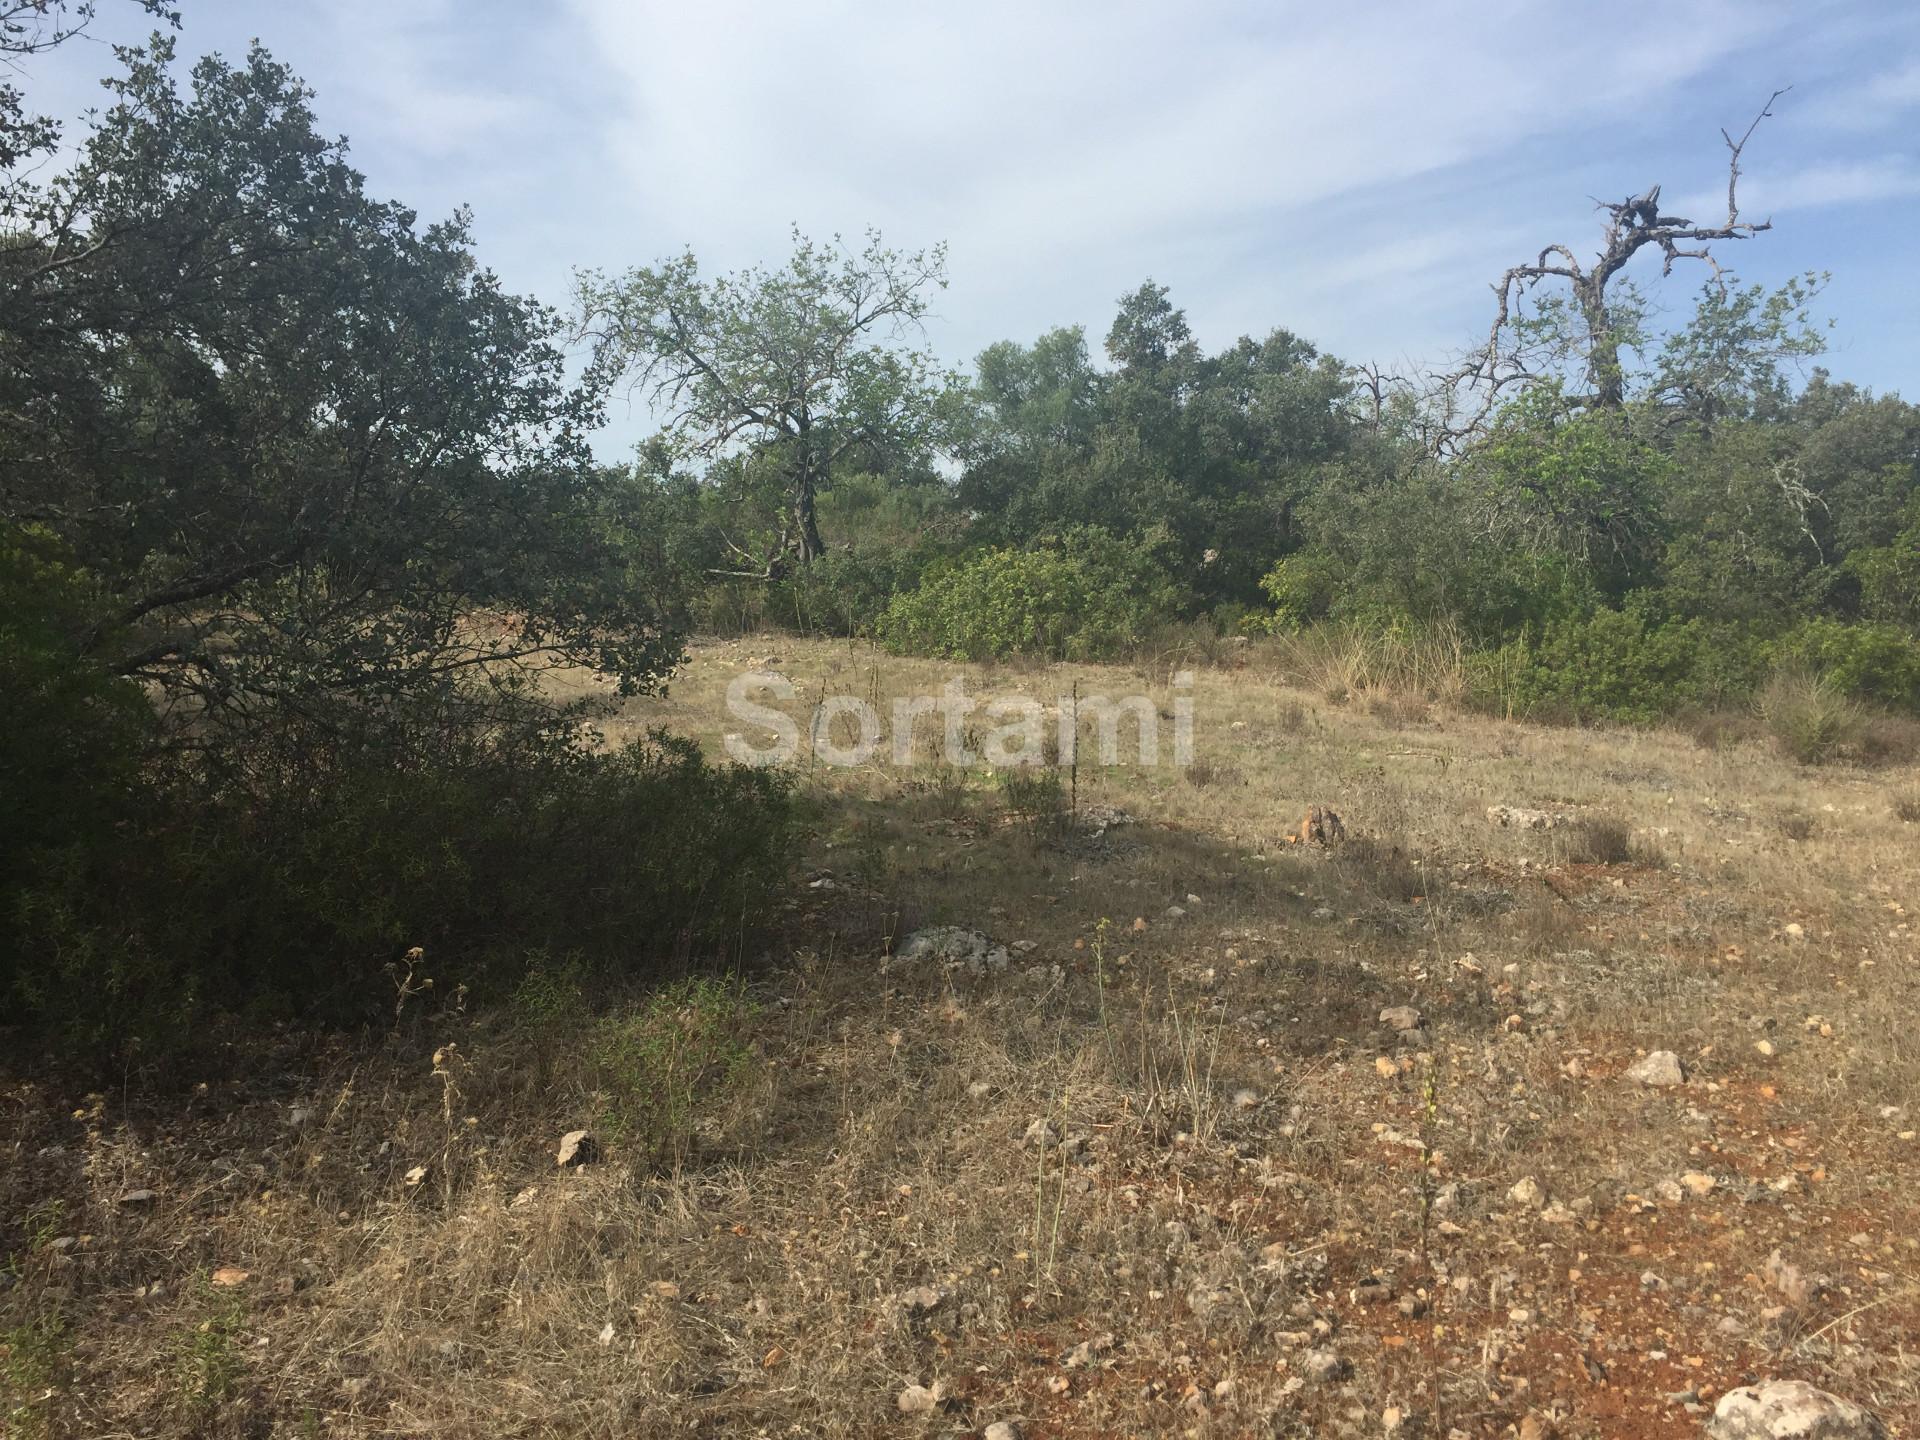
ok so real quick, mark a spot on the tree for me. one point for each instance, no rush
(803, 368)
(33, 27)
(1593, 319)
(316, 466)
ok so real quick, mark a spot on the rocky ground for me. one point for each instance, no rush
(1564, 1091)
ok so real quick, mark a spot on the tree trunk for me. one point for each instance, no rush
(1603, 354)
(806, 526)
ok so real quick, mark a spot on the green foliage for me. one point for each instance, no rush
(1878, 662)
(293, 899)
(208, 1363)
(33, 1360)
(1618, 665)
(1090, 595)
(296, 436)
(1037, 795)
(71, 737)
(667, 1058)
(795, 372)
(1889, 575)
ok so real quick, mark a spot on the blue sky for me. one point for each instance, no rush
(1358, 174)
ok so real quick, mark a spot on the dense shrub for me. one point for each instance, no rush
(1619, 665)
(70, 736)
(1086, 597)
(1879, 662)
(295, 898)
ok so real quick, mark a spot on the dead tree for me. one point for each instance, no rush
(1470, 392)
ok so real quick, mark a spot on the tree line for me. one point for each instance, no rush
(298, 509)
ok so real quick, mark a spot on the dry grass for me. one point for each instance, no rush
(1239, 1161)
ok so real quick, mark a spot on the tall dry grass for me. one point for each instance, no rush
(1344, 660)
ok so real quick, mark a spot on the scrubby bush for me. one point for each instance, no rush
(1619, 665)
(1087, 596)
(1810, 716)
(70, 736)
(1879, 662)
(293, 897)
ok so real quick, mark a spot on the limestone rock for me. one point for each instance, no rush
(1660, 1068)
(1790, 1410)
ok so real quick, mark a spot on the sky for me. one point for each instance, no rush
(1355, 173)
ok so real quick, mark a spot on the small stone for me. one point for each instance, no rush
(1400, 1017)
(1794, 930)
(1246, 1099)
(1790, 1410)
(1041, 1134)
(1003, 1430)
(139, 1197)
(979, 1090)
(577, 1147)
(228, 1276)
(1669, 1191)
(1527, 1193)
(1174, 912)
(1327, 1366)
(1660, 1068)
(1698, 1183)
(918, 1400)
(1087, 1353)
(921, 1300)
(1763, 1047)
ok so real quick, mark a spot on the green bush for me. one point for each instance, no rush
(1086, 597)
(70, 736)
(295, 897)
(1878, 662)
(1621, 666)
(664, 1059)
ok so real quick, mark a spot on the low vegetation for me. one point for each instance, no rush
(413, 1025)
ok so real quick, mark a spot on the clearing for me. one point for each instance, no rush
(1213, 1134)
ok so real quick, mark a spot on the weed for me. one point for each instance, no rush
(1809, 717)
(1795, 824)
(33, 1357)
(668, 1056)
(208, 1363)
(1037, 796)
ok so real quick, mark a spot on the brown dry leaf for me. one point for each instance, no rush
(230, 1275)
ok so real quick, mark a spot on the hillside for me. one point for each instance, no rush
(1209, 1133)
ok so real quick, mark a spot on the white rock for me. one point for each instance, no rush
(1400, 1017)
(1327, 1366)
(919, 1400)
(1003, 1430)
(1790, 1410)
(1527, 1193)
(1658, 1067)
(1698, 1183)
